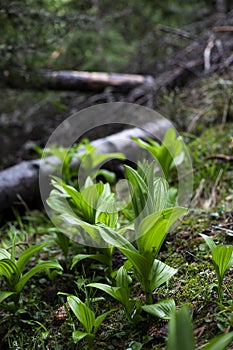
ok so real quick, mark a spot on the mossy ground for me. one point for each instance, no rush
(42, 322)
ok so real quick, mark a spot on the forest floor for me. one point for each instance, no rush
(44, 321)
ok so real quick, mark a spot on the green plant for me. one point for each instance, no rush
(87, 318)
(180, 334)
(163, 309)
(81, 211)
(169, 154)
(222, 258)
(121, 292)
(12, 269)
(90, 159)
(152, 220)
(83, 158)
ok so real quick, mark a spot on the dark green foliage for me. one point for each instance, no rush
(86, 35)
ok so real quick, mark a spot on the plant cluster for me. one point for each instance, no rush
(91, 214)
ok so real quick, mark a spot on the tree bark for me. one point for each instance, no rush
(76, 80)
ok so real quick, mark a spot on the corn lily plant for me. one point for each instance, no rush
(222, 258)
(152, 221)
(133, 307)
(79, 212)
(87, 155)
(121, 292)
(12, 270)
(87, 318)
(169, 153)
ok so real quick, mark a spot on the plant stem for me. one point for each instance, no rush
(148, 292)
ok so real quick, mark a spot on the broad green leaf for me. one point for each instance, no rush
(27, 254)
(109, 219)
(209, 241)
(220, 342)
(83, 313)
(104, 259)
(59, 202)
(112, 291)
(160, 194)
(100, 158)
(78, 335)
(140, 263)
(114, 238)
(122, 278)
(39, 267)
(4, 295)
(152, 146)
(163, 309)
(161, 273)
(180, 333)
(138, 188)
(168, 154)
(106, 208)
(10, 270)
(4, 254)
(100, 319)
(92, 231)
(154, 228)
(222, 259)
(58, 184)
(84, 202)
(89, 200)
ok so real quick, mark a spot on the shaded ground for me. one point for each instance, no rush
(194, 284)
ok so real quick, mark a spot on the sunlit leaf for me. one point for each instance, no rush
(27, 254)
(9, 270)
(83, 313)
(99, 257)
(163, 309)
(4, 295)
(161, 273)
(112, 291)
(138, 188)
(223, 259)
(39, 267)
(160, 194)
(78, 335)
(4, 254)
(154, 228)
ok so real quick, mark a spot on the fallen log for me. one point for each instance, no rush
(75, 80)
(20, 183)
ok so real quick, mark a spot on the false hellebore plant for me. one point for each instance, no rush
(79, 212)
(222, 258)
(152, 220)
(12, 270)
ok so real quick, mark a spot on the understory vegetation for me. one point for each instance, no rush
(124, 294)
(120, 262)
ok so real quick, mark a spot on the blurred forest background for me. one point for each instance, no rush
(177, 43)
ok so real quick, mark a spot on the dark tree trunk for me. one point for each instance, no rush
(221, 6)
